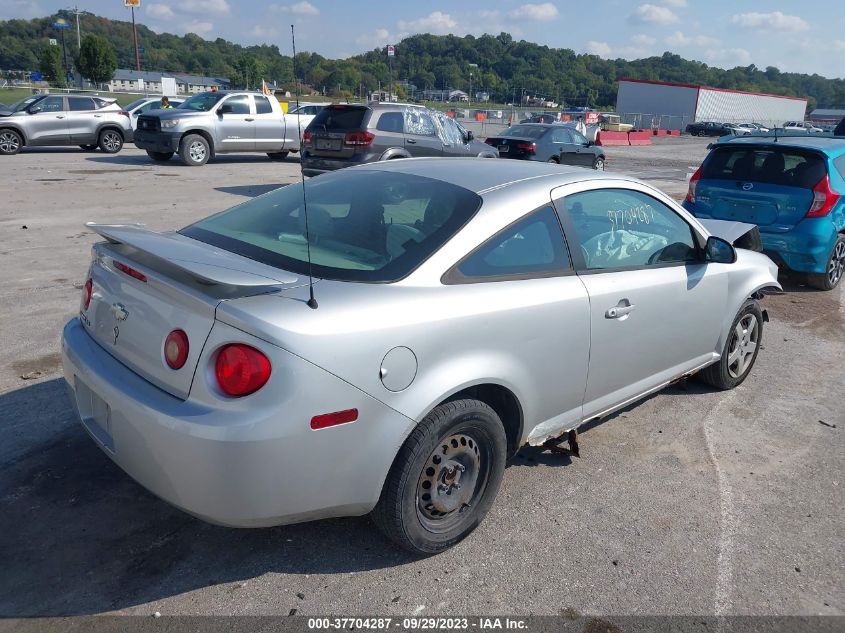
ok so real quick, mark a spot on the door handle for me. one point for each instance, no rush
(249, 119)
(410, 141)
(621, 309)
(60, 116)
(98, 116)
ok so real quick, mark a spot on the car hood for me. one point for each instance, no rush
(5, 112)
(176, 113)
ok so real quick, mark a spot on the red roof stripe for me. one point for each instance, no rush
(699, 87)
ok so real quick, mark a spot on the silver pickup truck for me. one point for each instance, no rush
(211, 123)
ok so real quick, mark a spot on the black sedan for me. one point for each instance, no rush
(708, 128)
(553, 143)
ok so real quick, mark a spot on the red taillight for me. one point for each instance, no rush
(124, 113)
(359, 139)
(137, 274)
(306, 137)
(824, 199)
(333, 419)
(490, 141)
(86, 297)
(176, 349)
(528, 148)
(692, 184)
(241, 370)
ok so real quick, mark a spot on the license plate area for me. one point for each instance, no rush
(331, 144)
(95, 414)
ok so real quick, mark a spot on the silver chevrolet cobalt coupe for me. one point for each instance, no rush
(462, 309)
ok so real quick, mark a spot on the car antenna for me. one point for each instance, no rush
(312, 302)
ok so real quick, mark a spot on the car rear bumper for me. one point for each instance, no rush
(157, 141)
(316, 165)
(239, 464)
(806, 248)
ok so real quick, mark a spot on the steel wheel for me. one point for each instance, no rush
(453, 480)
(10, 142)
(110, 141)
(743, 345)
(598, 164)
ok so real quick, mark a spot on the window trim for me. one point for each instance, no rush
(454, 277)
(577, 256)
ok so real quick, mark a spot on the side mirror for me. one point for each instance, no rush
(470, 136)
(225, 109)
(588, 144)
(719, 251)
(34, 109)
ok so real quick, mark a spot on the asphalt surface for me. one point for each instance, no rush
(691, 502)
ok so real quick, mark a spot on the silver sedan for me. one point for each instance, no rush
(388, 350)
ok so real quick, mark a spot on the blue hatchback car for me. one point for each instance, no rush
(791, 187)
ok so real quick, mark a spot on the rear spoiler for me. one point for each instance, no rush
(207, 264)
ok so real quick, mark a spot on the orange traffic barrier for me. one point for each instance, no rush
(612, 138)
(639, 137)
(480, 116)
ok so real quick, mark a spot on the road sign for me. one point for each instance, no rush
(135, 4)
(61, 23)
(53, 42)
(391, 50)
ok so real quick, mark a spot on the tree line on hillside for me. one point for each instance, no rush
(500, 66)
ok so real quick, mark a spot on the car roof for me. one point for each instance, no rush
(831, 145)
(484, 174)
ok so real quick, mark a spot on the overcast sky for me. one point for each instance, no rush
(723, 33)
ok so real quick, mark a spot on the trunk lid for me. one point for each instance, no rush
(512, 146)
(768, 186)
(147, 284)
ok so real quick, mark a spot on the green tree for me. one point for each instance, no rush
(249, 71)
(96, 59)
(50, 65)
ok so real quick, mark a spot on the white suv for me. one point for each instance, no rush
(801, 126)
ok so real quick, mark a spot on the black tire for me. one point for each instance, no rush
(702, 133)
(729, 371)
(554, 159)
(160, 157)
(194, 150)
(835, 268)
(110, 141)
(89, 147)
(10, 142)
(462, 438)
(598, 163)
(277, 155)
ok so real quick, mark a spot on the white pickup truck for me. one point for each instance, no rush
(211, 123)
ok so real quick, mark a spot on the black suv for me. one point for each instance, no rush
(342, 135)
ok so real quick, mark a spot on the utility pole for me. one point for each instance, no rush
(135, 40)
(76, 12)
(391, 50)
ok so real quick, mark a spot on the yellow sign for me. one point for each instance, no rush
(135, 4)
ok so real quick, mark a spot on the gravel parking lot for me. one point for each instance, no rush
(692, 502)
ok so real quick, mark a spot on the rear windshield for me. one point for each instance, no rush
(789, 167)
(364, 226)
(525, 131)
(339, 118)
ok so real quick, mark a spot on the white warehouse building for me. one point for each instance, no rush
(666, 105)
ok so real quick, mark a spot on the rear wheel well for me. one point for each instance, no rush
(203, 134)
(506, 405)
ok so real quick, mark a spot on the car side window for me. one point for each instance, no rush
(239, 104)
(622, 228)
(80, 104)
(391, 122)
(418, 122)
(52, 104)
(561, 135)
(532, 247)
(262, 105)
(578, 138)
(450, 133)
